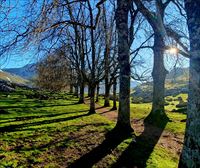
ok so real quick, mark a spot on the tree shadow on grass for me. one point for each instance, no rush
(113, 139)
(37, 106)
(55, 142)
(136, 154)
(105, 112)
(101, 107)
(25, 118)
(139, 151)
(17, 127)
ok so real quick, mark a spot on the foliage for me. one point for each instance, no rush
(53, 72)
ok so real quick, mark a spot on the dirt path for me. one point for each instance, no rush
(170, 141)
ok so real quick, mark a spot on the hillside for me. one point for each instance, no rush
(9, 82)
(178, 74)
(26, 72)
(176, 83)
(5, 76)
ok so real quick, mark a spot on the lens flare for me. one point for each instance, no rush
(172, 50)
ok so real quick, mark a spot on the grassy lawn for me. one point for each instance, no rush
(57, 131)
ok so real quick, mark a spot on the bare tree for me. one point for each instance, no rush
(114, 94)
(123, 121)
(109, 33)
(156, 20)
(53, 72)
(86, 48)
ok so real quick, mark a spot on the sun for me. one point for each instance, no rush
(172, 50)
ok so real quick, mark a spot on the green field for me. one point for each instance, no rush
(58, 131)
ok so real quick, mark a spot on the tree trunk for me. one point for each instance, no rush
(82, 81)
(76, 90)
(114, 95)
(92, 81)
(107, 85)
(89, 91)
(82, 85)
(71, 88)
(92, 100)
(97, 95)
(123, 121)
(190, 157)
(107, 94)
(71, 82)
(81, 98)
(106, 62)
(159, 74)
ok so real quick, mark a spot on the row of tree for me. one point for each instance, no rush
(97, 41)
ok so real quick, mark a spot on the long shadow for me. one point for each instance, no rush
(37, 106)
(139, 151)
(105, 112)
(16, 127)
(23, 118)
(100, 107)
(113, 139)
(56, 142)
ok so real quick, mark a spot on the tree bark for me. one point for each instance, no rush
(92, 99)
(82, 57)
(190, 157)
(71, 88)
(123, 121)
(97, 94)
(159, 75)
(114, 95)
(107, 94)
(89, 91)
(93, 66)
(71, 82)
(81, 97)
(76, 90)
(106, 61)
(82, 84)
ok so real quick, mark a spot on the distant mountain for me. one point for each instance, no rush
(102, 87)
(178, 74)
(176, 83)
(26, 72)
(134, 84)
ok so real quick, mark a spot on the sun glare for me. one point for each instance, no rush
(172, 50)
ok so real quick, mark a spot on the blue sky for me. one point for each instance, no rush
(17, 57)
(17, 61)
(20, 59)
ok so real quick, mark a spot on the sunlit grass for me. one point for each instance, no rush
(140, 111)
(55, 132)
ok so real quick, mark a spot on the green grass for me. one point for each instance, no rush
(140, 111)
(156, 159)
(55, 132)
(160, 157)
(32, 128)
